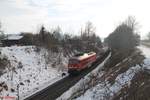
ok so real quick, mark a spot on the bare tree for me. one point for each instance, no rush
(89, 38)
(89, 30)
(132, 23)
(57, 33)
(1, 32)
(0, 25)
(124, 37)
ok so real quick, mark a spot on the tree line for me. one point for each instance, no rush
(56, 40)
(125, 37)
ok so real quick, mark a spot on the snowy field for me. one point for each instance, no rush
(31, 70)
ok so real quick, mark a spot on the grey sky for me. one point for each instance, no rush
(71, 15)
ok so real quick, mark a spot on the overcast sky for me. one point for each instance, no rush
(71, 15)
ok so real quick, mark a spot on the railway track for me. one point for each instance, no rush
(55, 90)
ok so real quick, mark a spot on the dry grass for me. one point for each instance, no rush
(123, 66)
(138, 90)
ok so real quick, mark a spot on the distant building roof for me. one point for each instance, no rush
(13, 37)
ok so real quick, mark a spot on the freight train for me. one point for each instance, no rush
(81, 61)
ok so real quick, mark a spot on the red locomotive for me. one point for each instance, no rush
(81, 61)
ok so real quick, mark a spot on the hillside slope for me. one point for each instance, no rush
(124, 82)
(108, 83)
(30, 70)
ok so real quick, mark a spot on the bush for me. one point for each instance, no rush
(27, 39)
(4, 62)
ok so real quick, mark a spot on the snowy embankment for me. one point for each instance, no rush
(31, 69)
(83, 83)
(104, 90)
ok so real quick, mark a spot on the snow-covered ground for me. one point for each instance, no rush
(146, 52)
(104, 90)
(33, 73)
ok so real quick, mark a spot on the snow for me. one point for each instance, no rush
(145, 50)
(124, 78)
(85, 55)
(14, 37)
(36, 74)
(105, 90)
